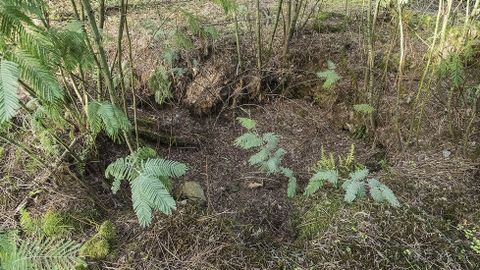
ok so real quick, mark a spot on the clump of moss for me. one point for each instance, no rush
(55, 224)
(51, 224)
(100, 245)
(29, 225)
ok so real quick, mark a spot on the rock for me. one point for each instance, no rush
(192, 190)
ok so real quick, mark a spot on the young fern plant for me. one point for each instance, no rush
(355, 185)
(150, 181)
(269, 156)
(40, 253)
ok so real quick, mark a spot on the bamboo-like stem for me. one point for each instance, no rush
(132, 80)
(121, 29)
(419, 99)
(401, 64)
(275, 26)
(237, 40)
(288, 24)
(259, 36)
(368, 79)
(101, 51)
(101, 20)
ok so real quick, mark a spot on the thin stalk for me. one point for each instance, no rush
(275, 26)
(103, 56)
(121, 29)
(132, 82)
(101, 20)
(288, 23)
(401, 64)
(259, 36)
(419, 99)
(237, 40)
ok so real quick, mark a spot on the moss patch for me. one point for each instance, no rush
(51, 224)
(55, 224)
(100, 246)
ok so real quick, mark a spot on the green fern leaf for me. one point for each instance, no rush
(375, 190)
(352, 190)
(107, 117)
(318, 179)
(9, 102)
(164, 168)
(247, 122)
(359, 175)
(148, 192)
(381, 192)
(273, 164)
(390, 197)
(41, 253)
(271, 140)
(330, 76)
(259, 157)
(292, 187)
(248, 141)
(39, 77)
(117, 182)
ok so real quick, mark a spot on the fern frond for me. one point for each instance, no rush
(247, 122)
(330, 76)
(107, 117)
(248, 141)
(381, 192)
(259, 157)
(359, 175)
(42, 253)
(271, 140)
(39, 77)
(70, 41)
(353, 189)
(9, 102)
(319, 178)
(292, 187)
(164, 168)
(148, 192)
(273, 164)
